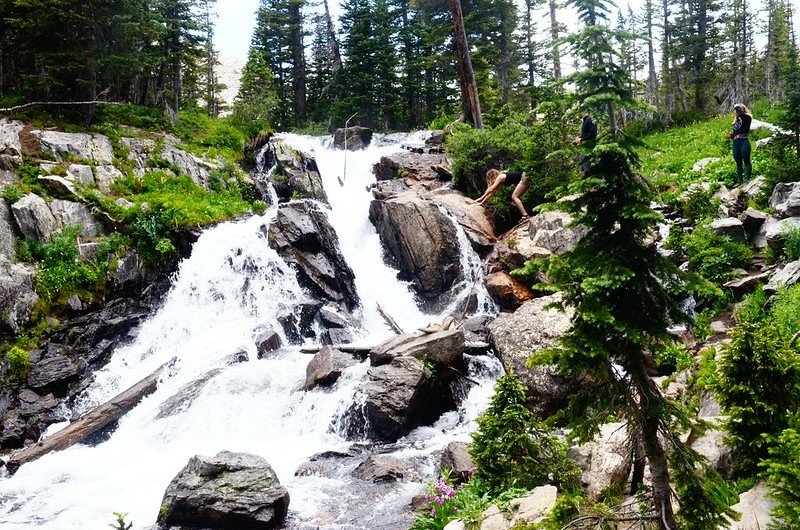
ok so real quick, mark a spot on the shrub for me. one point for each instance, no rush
(673, 357)
(511, 449)
(711, 256)
(791, 243)
(700, 204)
(61, 272)
(19, 364)
(12, 193)
(783, 472)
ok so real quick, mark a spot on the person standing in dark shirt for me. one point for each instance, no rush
(495, 179)
(588, 134)
(741, 142)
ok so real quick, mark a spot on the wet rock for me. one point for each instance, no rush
(387, 189)
(443, 348)
(129, 271)
(267, 340)
(471, 217)
(81, 173)
(752, 220)
(7, 233)
(606, 461)
(421, 240)
(230, 490)
(755, 506)
(775, 232)
(183, 399)
(34, 218)
(517, 336)
(785, 199)
(106, 175)
(296, 173)
(297, 325)
(552, 230)
(785, 277)
(719, 455)
(303, 237)
(382, 468)
(10, 145)
(507, 291)
(407, 165)
(354, 138)
(96, 148)
(58, 186)
(187, 164)
(14, 429)
(55, 371)
(457, 460)
(17, 294)
(69, 213)
(729, 227)
(333, 319)
(326, 367)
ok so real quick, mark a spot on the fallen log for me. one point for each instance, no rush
(90, 423)
(389, 321)
(362, 351)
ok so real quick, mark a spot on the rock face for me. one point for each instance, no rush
(187, 164)
(295, 173)
(421, 240)
(507, 291)
(471, 217)
(516, 336)
(227, 492)
(7, 243)
(81, 173)
(106, 175)
(785, 199)
(326, 367)
(442, 348)
(96, 147)
(605, 461)
(68, 213)
(356, 138)
(551, 230)
(10, 146)
(730, 227)
(34, 218)
(303, 237)
(17, 294)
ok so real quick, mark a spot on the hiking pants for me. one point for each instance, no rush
(741, 154)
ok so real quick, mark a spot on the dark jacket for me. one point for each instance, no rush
(588, 130)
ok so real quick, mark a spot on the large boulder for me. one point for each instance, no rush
(68, 213)
(720, 456)
(106, 175)
(326, 367)
(17, 294)
(34, 218)
(785, 277)
(775, 233)
(58, 186)
(442, 348)
(7, 232)
(230, 491)
(80, 173)
(10, 145)
(785, 199)
(92, 147)
(383, 468)
(529, 329)
(552, 230)
(729, 227)
(605, 461)
(457, 461)
(755, 507)
(295, 173)
(422, 242)
(408, 165)
(53, 370)
(752, 221)
(471, 217)
(303, 237)
(507, 291)
(352, 138)
(187, 164)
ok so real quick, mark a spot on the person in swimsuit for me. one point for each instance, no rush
(496, 179)
(741, 142)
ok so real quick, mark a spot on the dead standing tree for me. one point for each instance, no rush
(470, 103)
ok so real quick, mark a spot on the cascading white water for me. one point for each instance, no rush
(232, 285)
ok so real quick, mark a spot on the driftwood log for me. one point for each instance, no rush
(90, 423)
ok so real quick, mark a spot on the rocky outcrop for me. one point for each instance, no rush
(17, 294)
(457, 461)
(105, 176)
(296, 173)
(326, 367)
(729, 227)
(785, 277)
(529, 329)
(507, 291)
(471, 217)
(10, 145)
(552, 230)
(34, 218)
(606, 461)
(92, 147)
(58, 186)
(228, 491)
(80, 173)
(774, 233)
(443, 348)
(382, 468)
(408, 165)
(303, 237)
(68, 213)
(7, 233)
(785, 199)
(187, 164)
(354, 138)
(421, 241)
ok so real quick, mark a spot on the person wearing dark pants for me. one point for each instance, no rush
(588, 134)
(741, 143)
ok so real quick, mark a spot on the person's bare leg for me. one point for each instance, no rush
(521, 188)
(491, 190)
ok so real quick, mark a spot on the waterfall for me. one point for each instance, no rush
(263, 176)
(232, 286)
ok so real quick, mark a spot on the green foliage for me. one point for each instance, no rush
(673, 358)
(783, 472)
(119, 522)
(512, 450)
(61, 272)
(12, 193)
(759, 375)
(705, 496)
(210, 137)
(791, 243)
(711, 256)
(699, 204)
(19, 364)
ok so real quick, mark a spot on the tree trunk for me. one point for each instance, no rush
(335, 54)
(470, 103)
(298, 63)
(554, 39)
(652, 77)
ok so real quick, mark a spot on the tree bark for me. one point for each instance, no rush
(652, 77)
(470, 103)
(335, 54)
(90, 423)
(298, 62)
(554, 37)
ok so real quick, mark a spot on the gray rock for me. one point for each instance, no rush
(55, 370)
(356, 138)
(106, 175)
(709, 406)
(188, 164)
(720, 456)
(760, 239)
(605, 461)
(552, 230)
(296, 173)
(228, 491)
(96, 148)
(34, 218)
(267, 340)
(302, 235)
(730, 227)
(10, 145)
(786, 277)
(7, 233)
(752, 220)
(58, 186)
(531, 328)
(755, 506)
(442, 348)
(409, 165)
(68, 213)
(457, 460)
(750, 190)
(326, 367)
(382, 468)
(775, 232)
(422, 241)
(534, 507)
(785, 199)
(81, 173)
(129, 271)
(700, 165)
(124, 203)
(88, 251)
(139, 151)
(17, 293)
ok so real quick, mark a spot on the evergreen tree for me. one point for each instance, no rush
(257, 100)
(697, 37)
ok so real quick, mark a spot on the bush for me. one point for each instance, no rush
(19, 364)
(12, 193)
(512, 450)
(791, 243)
(783, 472)
(711, 256)
(673, 357)
(61, 272)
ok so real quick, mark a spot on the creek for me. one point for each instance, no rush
(232, 286)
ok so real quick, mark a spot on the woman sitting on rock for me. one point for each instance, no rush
(496, 178)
